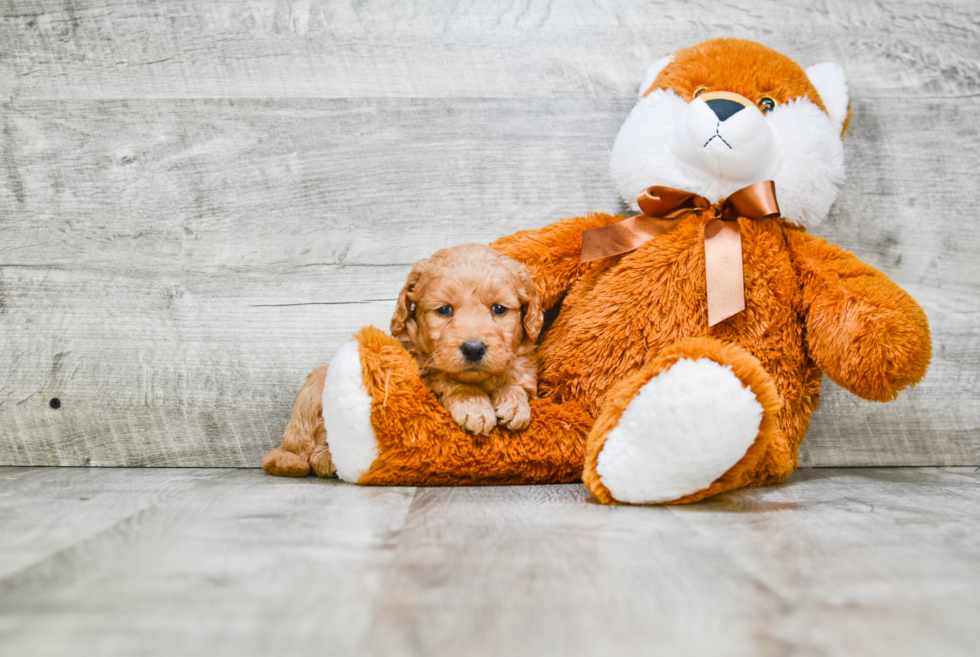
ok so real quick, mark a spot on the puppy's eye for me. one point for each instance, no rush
(699, 91)
(767, 104)
(499, 310)
(445, 311)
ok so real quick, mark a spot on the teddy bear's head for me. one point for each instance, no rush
(728, 113)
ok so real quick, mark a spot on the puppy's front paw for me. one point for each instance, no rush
(512, 408)
(475, 414)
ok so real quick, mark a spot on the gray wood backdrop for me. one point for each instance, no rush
(201, 200)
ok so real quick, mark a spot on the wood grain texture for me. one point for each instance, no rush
(200, 201)
(862, 562)
(204, 185)
(46, 510)
(575, 49)
(835, 562)
(240, 564)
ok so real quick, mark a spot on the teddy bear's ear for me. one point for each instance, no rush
(653, 72)
(831, 84)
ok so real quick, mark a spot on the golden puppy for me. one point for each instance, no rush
(470, 317)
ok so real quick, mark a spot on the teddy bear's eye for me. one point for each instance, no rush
(767, 104)
(699, 91)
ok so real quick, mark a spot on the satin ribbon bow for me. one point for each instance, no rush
(664, 208)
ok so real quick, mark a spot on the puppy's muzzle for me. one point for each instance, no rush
(473, 351)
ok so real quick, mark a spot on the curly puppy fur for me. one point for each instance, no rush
(470, 318)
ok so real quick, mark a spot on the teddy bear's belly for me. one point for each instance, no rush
(615, 320)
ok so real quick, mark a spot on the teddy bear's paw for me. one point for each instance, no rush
(472, 412)
(347, 416)
(513, 411)
(683, 430)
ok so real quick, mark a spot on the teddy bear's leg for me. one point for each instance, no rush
(694, 422)
(385, 427)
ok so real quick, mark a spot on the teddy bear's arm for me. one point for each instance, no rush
(865, 333)
(552, 253)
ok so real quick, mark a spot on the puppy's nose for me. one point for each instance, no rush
(724, 108)
(473, 351)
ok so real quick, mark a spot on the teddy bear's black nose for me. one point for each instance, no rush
(473, 351)
(724, 108)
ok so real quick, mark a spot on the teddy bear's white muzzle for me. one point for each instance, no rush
(724, 143)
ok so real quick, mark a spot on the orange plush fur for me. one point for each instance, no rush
(721, 65)
(493, 301)
(810, 307)
(550, 450)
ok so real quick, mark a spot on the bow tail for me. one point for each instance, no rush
(664, 207)
(724, 279)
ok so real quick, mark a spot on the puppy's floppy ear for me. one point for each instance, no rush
(403, 324)
(532, 314)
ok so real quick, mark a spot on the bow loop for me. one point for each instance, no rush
(667, 202)
(664, 208)
(756, 201)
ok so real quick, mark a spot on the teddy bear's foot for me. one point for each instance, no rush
(685, 428)
(693, 423)
(347, 415)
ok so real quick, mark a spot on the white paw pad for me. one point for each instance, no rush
(684, 429)
(347, 416)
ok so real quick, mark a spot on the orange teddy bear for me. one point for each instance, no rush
(687, 354)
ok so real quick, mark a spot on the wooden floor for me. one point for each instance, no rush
(233, 562)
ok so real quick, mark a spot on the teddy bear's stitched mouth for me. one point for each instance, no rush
(717, 135)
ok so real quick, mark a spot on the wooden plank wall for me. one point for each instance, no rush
(201, 200)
